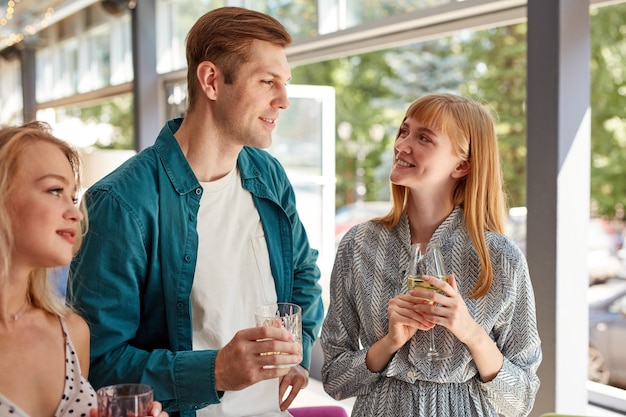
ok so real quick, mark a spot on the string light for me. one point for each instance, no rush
(11, 33)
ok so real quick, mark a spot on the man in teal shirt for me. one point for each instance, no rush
(138, 269)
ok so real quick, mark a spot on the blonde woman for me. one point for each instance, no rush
(44, 345)
(447, 190)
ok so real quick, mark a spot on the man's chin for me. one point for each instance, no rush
(263, 144)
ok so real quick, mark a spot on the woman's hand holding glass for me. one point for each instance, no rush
(405, 320)
(448, 309)
(427, 266)
(430, 305)
(156, 410)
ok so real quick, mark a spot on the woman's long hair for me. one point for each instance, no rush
(13, 141)
(471, 129)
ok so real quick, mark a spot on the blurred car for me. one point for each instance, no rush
(603, 262)
(607, 333)
(355, 213)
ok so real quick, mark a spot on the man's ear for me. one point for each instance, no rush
(207, 74)
(462, 169)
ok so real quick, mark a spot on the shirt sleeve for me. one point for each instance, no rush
(117, 287)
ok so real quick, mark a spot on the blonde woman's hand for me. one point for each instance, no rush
(155, 411)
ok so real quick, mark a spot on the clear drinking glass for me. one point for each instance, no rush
(125, 400)
(285, 315)
(427, 260)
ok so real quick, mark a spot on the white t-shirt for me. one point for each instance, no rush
(232, 277)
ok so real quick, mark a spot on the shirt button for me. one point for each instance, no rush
(187, 258)
(198, 191)
(191, 217)
(180, 306)
(410, 374)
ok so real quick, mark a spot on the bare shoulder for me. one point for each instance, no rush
(77, 328)
(79, 334)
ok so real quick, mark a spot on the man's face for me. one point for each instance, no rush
(247, 110)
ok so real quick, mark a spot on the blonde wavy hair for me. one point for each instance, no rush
(471, 128)
(13, 141)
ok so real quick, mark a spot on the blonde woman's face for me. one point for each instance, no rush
(42, 207)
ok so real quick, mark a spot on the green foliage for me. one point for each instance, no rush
(608, 98)
(489, 66)
(366, 10)
(298, 16)
(376, 88)
(497, 78)
(116, 112)
(357, 85)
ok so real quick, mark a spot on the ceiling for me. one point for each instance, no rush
(31, 16)
(20, 19)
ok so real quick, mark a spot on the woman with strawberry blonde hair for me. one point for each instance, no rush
(447, 191)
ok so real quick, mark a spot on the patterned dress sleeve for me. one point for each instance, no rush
(344, 373)
(513, 391)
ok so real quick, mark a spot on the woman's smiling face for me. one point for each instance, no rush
(423, 157)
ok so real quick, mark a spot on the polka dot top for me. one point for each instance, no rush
(78, 395)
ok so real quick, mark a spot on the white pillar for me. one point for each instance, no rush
(558, 195)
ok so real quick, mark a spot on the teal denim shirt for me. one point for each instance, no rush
(132, 277)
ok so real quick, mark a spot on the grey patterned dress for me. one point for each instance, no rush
(370, 269)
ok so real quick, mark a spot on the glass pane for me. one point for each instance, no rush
(10, 92)
(98, 74)
(44, 67)
(68, 70)
(309, 202)
(300, 17)
(359, 11)
(107, 124)
(297, 140)
(176, 96)
(174, 19)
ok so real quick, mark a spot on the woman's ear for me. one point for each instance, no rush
(207, 78)
(462, 169)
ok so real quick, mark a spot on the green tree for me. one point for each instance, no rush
(356, 80)
(298, 16)
(489, 66)
(376, 88)
(608, 122)
(117, 112)
(426, 67)
(497, 78)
